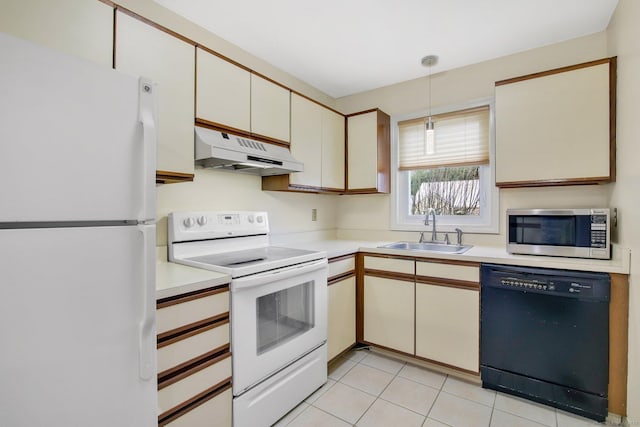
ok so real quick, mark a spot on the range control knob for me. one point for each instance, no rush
(189, 222)
(202, 220)
(250, 219)
(260, 219)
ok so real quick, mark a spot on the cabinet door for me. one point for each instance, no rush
(223, 94)
(332, 150)
(368, 161)
(78, 27)
(270, 109)
(389, 313)
(448, 325)
(306, 141)
(342, 316)
(145, 50)
(555, 129)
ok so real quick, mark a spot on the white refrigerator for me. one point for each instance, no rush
(77, 242)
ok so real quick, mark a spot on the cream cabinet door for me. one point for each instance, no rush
(389, 313)
(270, 109)
(223, 94)
(363, 158)
(170, 62)
(332, 150)
(306, 141)
(448, 325)
(554, 129)
(342, 316)
(78, 27)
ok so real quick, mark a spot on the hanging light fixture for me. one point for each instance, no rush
(430, 136)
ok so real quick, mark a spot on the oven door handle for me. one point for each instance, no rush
(278, 274)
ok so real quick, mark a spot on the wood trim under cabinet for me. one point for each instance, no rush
(359, 297)
(166, 382)
(219, 321)
(168, 177)
(238, 132)
(557, 182)
(186, 330)
(404, 277)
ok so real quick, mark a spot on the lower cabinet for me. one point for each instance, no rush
(194, 359)
(422, 307)
(341, 332)
(389, 313)
(447, 325)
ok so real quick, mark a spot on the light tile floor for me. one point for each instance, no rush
(368, 389)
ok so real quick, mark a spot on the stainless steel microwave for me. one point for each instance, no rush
(578, 233)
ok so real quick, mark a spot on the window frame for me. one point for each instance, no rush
(486, 222)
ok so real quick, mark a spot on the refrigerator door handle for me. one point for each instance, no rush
(148, 118)
(147, 338)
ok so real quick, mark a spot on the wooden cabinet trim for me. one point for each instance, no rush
(340, 277)
(342, 258)
(404, 277)
(383, 145)
(186, 331)
(555, 71)
(239, 132)
(216, 321)
(376, 255)
(618, 343)
(202, 398)
(166, 382)
(423, 259)
(168, 177)
(176, 370)
(556, 182)
(190, 296)
(448, 283)
(362, 112)
(154, 24)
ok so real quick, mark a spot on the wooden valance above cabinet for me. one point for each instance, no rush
(557, 127)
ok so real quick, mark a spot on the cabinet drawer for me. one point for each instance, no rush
(448, 271)
(341, 266)
(177, 315)
(190, 386)
(215, 412)
(389, 264)
(181, 351)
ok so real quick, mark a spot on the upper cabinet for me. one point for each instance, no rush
(317, 140)
(223, 96)
(557, 127)
(78, 27)
(146, 50)
(369, 152)
(231, 97)
(270, 110)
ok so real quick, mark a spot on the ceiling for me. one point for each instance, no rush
(342, 47)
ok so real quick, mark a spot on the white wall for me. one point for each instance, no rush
(624, 41)
(361, 216)
(217, 190)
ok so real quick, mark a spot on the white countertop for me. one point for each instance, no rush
(618, 264)
(175, 279)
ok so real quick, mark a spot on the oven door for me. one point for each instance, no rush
(276, 317)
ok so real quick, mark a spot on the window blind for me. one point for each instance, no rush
(461, 139)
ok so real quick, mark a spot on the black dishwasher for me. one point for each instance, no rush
(544, 336)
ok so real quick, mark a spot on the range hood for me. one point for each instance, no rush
(224, 151)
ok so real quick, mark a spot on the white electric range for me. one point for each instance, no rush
(278, 308)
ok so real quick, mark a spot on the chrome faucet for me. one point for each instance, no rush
(459, 232)
(431, 212)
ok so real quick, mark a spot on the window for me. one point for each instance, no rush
(451, 173)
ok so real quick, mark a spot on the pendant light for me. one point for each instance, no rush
(430, 136)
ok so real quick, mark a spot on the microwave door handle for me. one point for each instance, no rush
(280, 274)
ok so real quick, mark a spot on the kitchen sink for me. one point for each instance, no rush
(429, 247)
